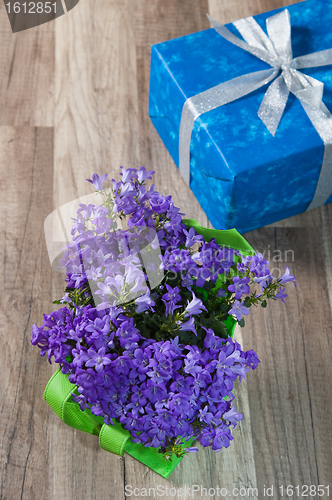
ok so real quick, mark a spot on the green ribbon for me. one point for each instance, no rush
(114, 438)
(229, 238)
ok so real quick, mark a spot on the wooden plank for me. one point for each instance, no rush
(102, 94)
(154, 23)
(27, 75)
(96, 96)
(290, 399)
(321, 220)
(79, 468)
(227, 11)
(26, 198)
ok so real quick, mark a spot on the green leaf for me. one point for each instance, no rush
(219, 329)
(187, 338)
(217, 326)
(247, 302)
(224, 307)
(208, 286)
(242, 323)
(220, 282)
(263, 303)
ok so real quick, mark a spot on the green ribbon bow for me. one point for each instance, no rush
(114, 438)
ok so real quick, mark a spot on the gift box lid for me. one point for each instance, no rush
(231, 140)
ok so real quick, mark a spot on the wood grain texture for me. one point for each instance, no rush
(319, 219)
(27, 75)
(88, 75)
(101, 119)
(290, 401)
(227, 11)
(155, 23)
(96, 115)
(25, 200)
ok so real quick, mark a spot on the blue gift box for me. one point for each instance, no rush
(241, 175)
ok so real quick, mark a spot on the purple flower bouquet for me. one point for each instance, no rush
(144, 331)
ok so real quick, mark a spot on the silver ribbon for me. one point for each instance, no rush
(276, 50)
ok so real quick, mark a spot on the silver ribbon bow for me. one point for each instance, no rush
(276, 50)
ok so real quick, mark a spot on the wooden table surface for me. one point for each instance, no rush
(73, 101)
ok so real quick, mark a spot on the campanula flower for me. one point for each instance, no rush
(240, 286)
(286, 277)
(196, 306)
(97, 181)
(238, 309)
